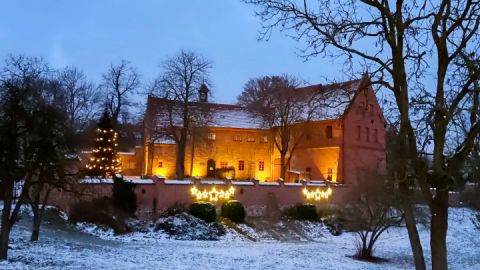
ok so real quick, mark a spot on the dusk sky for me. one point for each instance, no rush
(91, 34)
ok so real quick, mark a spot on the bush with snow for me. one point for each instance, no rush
(187, 227)
(203, 210)
(100, 212)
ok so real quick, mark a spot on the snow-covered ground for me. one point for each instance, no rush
(63, 246)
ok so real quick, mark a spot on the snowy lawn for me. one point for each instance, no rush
(63, 246)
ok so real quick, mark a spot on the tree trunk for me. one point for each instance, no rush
(283, 166)
(438, 232)
(37, 219)
(5, 230)
(415, 243)
(180, 162)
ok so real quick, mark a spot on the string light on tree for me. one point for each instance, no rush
(104, 161)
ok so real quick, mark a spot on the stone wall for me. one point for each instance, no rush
(155, 195)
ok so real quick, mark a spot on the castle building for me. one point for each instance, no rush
(344, 142)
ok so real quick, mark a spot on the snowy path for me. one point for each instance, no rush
(62, 247)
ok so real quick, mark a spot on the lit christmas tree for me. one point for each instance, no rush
(104, 161)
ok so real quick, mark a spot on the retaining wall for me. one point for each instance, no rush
(155, 195)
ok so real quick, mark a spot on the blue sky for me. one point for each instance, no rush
(90, 34)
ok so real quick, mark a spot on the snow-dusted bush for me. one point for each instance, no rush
(301, 212)
(100, 212)
(175, 209)
(203, 210)
(334, 224)
(187, 227)
(233, 210)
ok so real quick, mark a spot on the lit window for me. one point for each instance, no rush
(367, 130)
(212, 136)
(241, 165)
(329, 174)
(359, 132)
(250, 138)
(329, 132)
(237, 138)
(223, 164)
(160, 164)
(261, 166)
(264, 139)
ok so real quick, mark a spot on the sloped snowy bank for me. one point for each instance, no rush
(63, 246)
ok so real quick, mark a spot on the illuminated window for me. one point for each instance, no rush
(359, 132)
(160, 164)
(237, 138)
(250, 138)
(329, 174)
(212, 136)
(264, 139)
(241, 165)
(261, 166)
(223, 164)
(329, 132)
(367, 131)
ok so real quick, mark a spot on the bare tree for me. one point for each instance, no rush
(119, 82)
(21, 85)
(408, 35)
(283, 110)
(81, 97)
(182, 111)
(370, 211)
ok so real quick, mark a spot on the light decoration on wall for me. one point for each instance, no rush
(317, 194)
(213, 195)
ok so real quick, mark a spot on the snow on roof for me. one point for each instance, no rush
(164, 140)
(237, 118)
(332, 100)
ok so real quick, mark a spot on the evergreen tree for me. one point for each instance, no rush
(104, 161)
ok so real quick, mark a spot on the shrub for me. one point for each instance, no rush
(334, 224)
(223, 173)
(124, 197)
(233, 210)
(175, 209)
(100, 212)
(302, 212)
(203, 210)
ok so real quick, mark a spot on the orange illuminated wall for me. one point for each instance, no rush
(340, 150)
